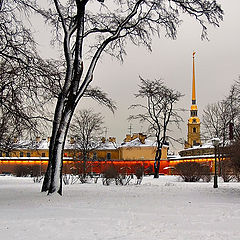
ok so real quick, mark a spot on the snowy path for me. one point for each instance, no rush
(158, 209)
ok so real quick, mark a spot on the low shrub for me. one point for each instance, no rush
(22, 171)
(110, 174)
(119, 176)
(227, 171)
(139, 173)
(193, 171)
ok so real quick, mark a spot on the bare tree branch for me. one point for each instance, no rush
(159, 112)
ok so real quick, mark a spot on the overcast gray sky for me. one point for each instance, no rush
(217, 66)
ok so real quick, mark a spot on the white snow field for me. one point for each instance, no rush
(160, 209)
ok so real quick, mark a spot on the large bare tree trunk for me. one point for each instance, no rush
(57, 162)
(53, 177)
(56, 121)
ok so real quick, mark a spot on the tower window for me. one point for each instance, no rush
(108, 156)
(194, 130)
(193, 113)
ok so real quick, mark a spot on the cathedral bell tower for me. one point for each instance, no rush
(193, 137)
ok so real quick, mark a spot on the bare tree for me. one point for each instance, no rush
(216, 119)
(221, 119)
(158, 112)
(234, 154)
(87, 29)
(86, 130)
(233, 100)
(233, 150)
(29, 85)
(27, 82)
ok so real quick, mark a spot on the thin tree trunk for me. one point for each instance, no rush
(84, 166)
(157, 163)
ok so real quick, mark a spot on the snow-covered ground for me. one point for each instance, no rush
(158, 209)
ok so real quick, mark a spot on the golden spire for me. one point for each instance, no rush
(193, 83)
(193, 137)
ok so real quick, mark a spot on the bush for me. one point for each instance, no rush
(139, 172)
(78, 171)
(110, 174)
(35, 171)
(227, 172)
(234, 154)
(22, 171)
(115, 174)
(193, 171)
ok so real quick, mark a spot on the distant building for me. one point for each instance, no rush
(33, 155)
(137, 147)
